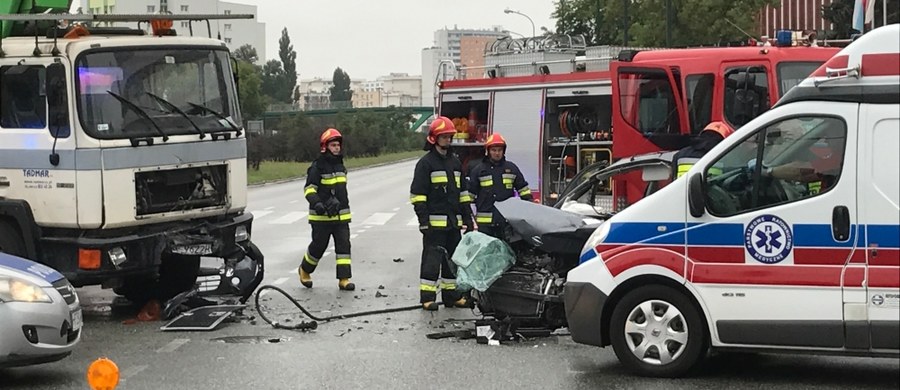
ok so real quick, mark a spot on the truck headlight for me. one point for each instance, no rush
(20, 290)
(241, 234)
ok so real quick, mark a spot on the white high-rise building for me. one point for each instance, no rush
(235, 33)
(447, 46)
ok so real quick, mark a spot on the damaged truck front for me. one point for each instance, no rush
(546, 243)
(123, 161)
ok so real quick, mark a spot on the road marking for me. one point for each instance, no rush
(324, 255)
(290, 218)
(129, 372)
(379, 218)
(270, 207)
(413, 222)
(173, 345)
(280, 281)
(352, 236)
(395, 209)
(260, 214)
(293, 201)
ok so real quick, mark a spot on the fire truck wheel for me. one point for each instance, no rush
(11, 241)
(657, 331)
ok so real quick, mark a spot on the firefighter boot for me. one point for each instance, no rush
(346, 285)
(305, 278)
(430, 306)
(461, 303)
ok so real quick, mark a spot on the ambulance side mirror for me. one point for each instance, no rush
(696, 198)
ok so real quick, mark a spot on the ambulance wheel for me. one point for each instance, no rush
(657, 331)
(11, 241)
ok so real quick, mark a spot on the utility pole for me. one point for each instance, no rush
(626, 22)
(668, 23)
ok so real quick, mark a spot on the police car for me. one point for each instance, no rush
(40, 315)
(784, 237)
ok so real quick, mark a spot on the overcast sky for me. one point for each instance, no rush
(371, 38)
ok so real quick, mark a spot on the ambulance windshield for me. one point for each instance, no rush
(196, 81)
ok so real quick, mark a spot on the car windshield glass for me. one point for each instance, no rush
(180, 76)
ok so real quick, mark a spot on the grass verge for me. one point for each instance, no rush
(270, 171)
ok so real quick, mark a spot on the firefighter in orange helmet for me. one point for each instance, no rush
(711, 135)
(442, 205)
(329, 210)
(495, 179)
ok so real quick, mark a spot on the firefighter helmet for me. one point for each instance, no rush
(442, 125)
(495, 140)
(330, 135)
(720, 128)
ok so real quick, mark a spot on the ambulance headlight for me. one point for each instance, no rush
(598, 237)
(241, 234)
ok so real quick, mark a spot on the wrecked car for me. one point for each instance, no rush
(547, 243)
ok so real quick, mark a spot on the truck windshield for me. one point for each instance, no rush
(185, 77)
(647, 101)
(792, 73)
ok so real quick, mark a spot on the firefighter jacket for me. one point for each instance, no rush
(495, 181)
(437, 193)
(326, 182)
(685, 158)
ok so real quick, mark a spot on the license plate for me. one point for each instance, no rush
(194, 249)
(77, 320)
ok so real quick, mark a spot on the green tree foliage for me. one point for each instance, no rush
(341, 91)
(694, 22)
(247, 54)
(289, 65)
(252, 102)
(273, 80)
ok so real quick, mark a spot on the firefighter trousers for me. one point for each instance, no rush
(437, 270)
(321, 234)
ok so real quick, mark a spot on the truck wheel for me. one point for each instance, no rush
(11, 241)
(657, 331)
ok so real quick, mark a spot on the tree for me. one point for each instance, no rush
(289, 64)
(341, 91)
(252, 103)
(696, 22)
(247, 54)
(273, 80)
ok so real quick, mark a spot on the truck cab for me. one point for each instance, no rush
(122, 151)
(784, 237)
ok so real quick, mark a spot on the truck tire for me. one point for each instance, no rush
(11, 241)
(657, 331)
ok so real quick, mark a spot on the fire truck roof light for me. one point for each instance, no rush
(784, 38)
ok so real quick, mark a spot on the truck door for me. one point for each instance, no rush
(517, 116)
(648, 111)
(880, 213)
(778, 230)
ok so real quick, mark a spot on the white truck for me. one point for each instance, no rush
(122, 154)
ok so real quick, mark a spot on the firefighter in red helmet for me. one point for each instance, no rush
(711, 135)
(329, 210)
(495, 179)
(442, 205)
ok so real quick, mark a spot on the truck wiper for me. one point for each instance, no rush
(140, 111)
(174, 109)
(217, 114)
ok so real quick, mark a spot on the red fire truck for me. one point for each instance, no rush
(558, 123)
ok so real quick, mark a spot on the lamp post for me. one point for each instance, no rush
(509, 11)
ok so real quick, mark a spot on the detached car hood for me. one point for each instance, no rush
(38, 273)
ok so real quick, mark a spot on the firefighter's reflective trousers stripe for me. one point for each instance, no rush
(438, 272)
(321, 234)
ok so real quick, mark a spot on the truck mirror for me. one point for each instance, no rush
(57, 101)
(696, 200)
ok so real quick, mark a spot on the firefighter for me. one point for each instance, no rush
(442, 205)
(494, 180)
(329, 210)
(711, 135)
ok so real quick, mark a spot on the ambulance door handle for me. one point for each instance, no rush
(840, 223)
(4, 182)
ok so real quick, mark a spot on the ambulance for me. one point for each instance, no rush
(783, 238)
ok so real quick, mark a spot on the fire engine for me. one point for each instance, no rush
(561, 115)
(121, 152)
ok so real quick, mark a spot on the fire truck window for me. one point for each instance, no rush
(790, 160)
(700, 96)
(23, 100)
(792, 73)
(648, 102)
(746, 94)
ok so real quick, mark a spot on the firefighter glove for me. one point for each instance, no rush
(332, 207)
(320, 208)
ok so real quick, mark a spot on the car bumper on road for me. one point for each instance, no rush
(34, 333)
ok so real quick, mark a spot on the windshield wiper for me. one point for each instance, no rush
(217, 114)
(140, 111)
(174, 109)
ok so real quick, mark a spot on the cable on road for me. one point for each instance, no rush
(311, 325)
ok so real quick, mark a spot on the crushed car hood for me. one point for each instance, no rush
(546, 227)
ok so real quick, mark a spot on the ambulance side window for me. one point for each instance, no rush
(789, 160)
(23, 100)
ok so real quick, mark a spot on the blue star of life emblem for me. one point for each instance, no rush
(768, 239)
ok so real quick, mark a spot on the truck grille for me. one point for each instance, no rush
(180, 189)
(66, 290)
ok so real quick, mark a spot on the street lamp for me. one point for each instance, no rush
(509, 11)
